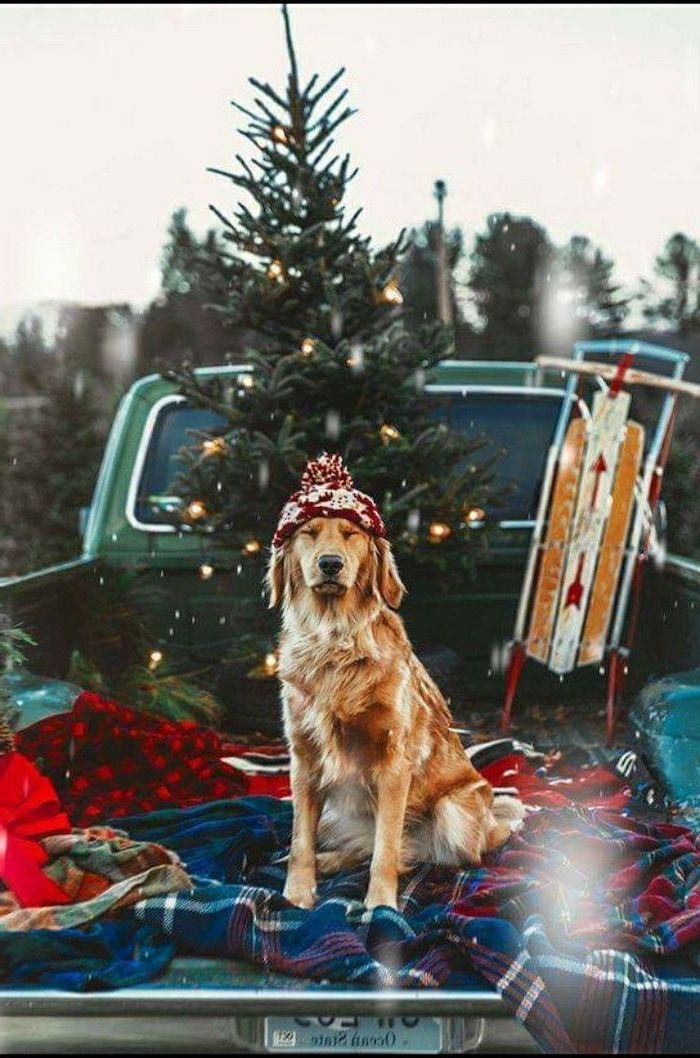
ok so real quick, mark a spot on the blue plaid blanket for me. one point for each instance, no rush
(587, 923)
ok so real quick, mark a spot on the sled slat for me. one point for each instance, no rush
(613, 548)
(554, 549)
(607, 430)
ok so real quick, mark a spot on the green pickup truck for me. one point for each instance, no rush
(128, 527)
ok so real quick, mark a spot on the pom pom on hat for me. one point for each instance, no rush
(327, 470)
(328, 491)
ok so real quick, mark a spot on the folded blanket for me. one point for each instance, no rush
(97, 872)
(107, 761)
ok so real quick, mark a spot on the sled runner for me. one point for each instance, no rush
(593, 527)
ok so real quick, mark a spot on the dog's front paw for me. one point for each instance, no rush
(381, 895)
(300, 891)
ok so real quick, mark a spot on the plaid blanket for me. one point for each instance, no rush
(98, 871)
(106, 760)
(587, 923)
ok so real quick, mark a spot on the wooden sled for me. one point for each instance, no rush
(592, 531)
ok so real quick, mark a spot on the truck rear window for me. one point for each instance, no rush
(518, 425)
(175, 427)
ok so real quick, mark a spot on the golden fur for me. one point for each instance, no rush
(376, 771)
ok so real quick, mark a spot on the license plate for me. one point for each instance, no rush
(362, 1035)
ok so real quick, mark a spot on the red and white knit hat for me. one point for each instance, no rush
(327, 491)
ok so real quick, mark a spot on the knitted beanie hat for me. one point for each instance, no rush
(327, 491)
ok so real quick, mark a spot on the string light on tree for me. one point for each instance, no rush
(279, 134)
(246, 381)
(155, 658)
(276, 271)
(475, 516)
(252, 546)
(391, 294)
(308, 347)
(214, 446)
(438, 531)
(389, 434)
(206, 570)
(271, 663)
(195, 510)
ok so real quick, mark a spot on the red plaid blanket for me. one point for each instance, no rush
(108, 761)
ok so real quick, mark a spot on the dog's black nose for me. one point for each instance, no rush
(330, 565)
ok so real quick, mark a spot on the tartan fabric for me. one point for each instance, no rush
(107, 760)
(107, 954)
(587, 922)
(98, 871)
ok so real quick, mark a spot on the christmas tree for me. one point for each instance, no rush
(336, 365)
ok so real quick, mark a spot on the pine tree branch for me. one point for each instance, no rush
(313, 101)
(294, 73)
(339, 99)
(267, 90)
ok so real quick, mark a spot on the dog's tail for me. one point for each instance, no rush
(508, 808)
(507, 814)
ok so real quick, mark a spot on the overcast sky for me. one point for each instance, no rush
(585, 116)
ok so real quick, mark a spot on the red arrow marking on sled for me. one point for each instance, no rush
(600, 467)
(574, 592)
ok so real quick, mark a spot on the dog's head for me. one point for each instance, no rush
(337, 562)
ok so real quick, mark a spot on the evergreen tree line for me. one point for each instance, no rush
(515, 292)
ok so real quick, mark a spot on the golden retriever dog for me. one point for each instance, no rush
(377, 773)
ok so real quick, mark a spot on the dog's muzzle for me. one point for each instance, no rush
(330, 566)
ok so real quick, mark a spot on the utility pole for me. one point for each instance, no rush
(444, 301)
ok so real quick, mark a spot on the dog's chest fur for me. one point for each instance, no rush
(342, 705)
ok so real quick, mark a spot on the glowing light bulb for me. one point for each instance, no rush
(438, 531)
(206, 570)
(276, 271)
(308, 346)
(475, 515)
(154, 659)
(246, 381)
(251, 547)
(279, 134)
(388, 434)
(271, 663)
(215, 446)
(391, 295)
(195, 510)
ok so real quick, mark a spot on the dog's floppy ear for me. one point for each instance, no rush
(389, 583)
(274, 577)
